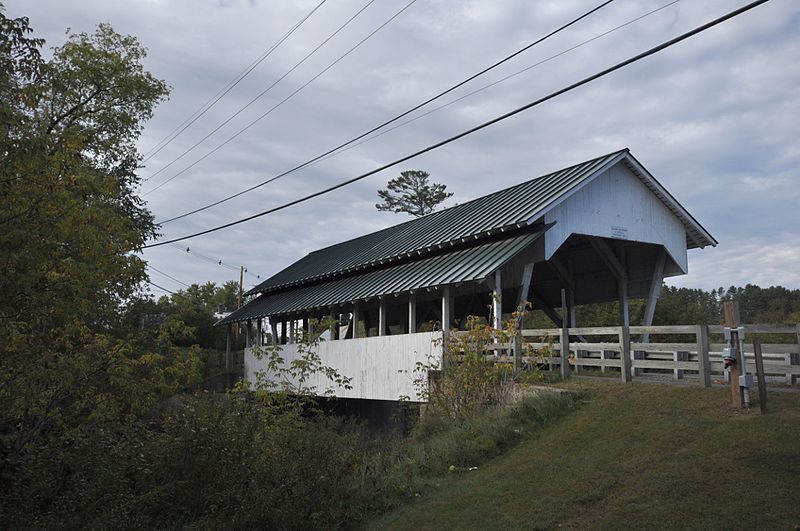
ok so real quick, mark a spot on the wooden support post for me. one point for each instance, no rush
(354, 321)
(412, 313)
(524, 288)
(625, 352)
(284, 332)
(260, 329)
(446, 309)
(564, 338)
(654, 293)
(334, 316)
(273, 324)
(762, 380)
(702, 355)
(445, 322)
(247, 338)
(228, 347)
(382, 316)
(624, 313)
(731, 309)
(541, 304)
(497, 301)
(518, 349)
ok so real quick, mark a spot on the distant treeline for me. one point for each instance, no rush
(774, 304)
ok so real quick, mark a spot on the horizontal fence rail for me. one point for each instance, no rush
(693, 357)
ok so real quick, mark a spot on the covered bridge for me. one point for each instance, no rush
(601, 230)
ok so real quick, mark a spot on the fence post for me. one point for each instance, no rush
(702, 355)
(679, 356)
(518, 349)
(625, 352)
(794, 359)
(604, 355)
(639, 355)
(762, 380)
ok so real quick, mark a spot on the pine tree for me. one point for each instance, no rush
(412, 193)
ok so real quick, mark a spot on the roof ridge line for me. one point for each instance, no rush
(610, 153)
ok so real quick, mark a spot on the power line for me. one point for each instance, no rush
(150, 266)
(350, 145)
(225, 90)
(384, 124)
(484, 125)
(284, 100)
(216, 261)
(494, 83)
(258, 96)
(161, 288)
(262, 93)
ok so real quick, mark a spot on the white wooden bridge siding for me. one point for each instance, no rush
(381, 367)
(617, 204)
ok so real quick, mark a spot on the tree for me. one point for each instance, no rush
(411, 193)
(70, 229)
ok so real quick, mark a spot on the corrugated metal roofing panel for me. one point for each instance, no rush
(513, 207)
(463, 265)
(506, 208)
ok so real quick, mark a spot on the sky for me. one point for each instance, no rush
(716, 118)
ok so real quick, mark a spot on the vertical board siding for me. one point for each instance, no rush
(617, 204)
(381, 368)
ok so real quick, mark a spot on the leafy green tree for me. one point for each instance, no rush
(70, 228)
(412, 193)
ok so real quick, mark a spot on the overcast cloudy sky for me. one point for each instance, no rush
(716, 119)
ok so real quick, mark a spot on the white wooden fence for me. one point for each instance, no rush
(697, 360)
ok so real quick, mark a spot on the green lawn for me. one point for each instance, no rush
(632, 456)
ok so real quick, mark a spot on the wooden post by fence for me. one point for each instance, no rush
(762, 381)
(625, 352)
(518, 350)
(731, 309)
(794, 359)
(564, 337)
(702, 355)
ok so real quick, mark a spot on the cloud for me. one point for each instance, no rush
(714, 118)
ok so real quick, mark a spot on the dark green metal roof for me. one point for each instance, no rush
(463, 265)
(511, 208)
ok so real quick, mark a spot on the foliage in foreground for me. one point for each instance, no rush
(238, 464)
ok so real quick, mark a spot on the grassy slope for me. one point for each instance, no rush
(633, 456)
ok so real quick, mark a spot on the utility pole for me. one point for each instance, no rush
(241, 286)
(239, 298)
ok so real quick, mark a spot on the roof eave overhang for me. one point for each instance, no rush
(396, 258)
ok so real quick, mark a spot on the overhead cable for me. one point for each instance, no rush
(280, 103)
(552, 95)
(490, 85)
(150, 266)
(225, 90)
(161, 288)
(216, 261)
(392, 120)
